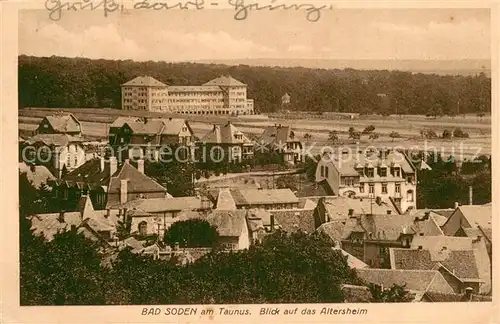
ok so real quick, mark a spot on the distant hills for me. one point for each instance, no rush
(440, 67)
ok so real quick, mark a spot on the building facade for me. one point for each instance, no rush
(390, 177)
(221, 96)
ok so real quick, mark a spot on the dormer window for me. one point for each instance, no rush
(369, 172)
(397, 172)
(383, 171)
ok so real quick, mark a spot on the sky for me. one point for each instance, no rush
(188, 35)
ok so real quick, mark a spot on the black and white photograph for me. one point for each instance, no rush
(254, 155)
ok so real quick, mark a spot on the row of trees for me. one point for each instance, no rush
(78, 82)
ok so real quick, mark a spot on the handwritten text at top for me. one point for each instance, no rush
(241, 8)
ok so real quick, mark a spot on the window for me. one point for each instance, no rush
(326, 172)
(369, 172)
(384, 188)
(371, 188)
(383, 172)
(322, 171)
(397, 172)
(361, 187)
(409, 179)
(397, 188)
(143, 228)
(409, 195)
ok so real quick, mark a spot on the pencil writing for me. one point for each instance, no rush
(56, 7)
(313, 13)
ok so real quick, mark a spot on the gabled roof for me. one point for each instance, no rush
(149, 127)
(118, 123)
(64, 123)
(225, 134)
(48, 225)
(460, 263)
(338, 207)
(292, 220)
(173, 126)
(228, 223)
(224, 81)
(477, 215)
(278, 135)
(137, 182)
(37, 174)
(58, 140)
(352, 261)
(144, 81)
(157, 205)
(90, 173)
(263, 196)
(225, 200)
(416, 280)
(436, 243)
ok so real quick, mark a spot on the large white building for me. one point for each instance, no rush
(221, 96)
(390, 178)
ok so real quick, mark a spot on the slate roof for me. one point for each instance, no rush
(352, 261)
(157, 205)
(338, 207)
(204, 88)
(144, 81)
(225, 200)
(348, 167)
(53, 139)
(460, 263)
(436, 243)
(356, 294)
(477, 215)
(389, 227)
(90, 173)
(276, 135)
(417, 280)
(225, 134)
(228, 223)
(263, 196)
(224, 80)
(64, 123)
(291, 220)
(38, 176)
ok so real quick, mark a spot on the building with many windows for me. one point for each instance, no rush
(387, 177)
(221, 96)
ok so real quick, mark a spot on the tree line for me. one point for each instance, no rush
(78, 82)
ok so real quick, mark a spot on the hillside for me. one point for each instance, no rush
(79, 82)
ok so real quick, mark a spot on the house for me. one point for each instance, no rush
(292, 220)
(107, 183)
(156, 215)
(57, 152)
(232, 228)
(264, 198)
(282, 140)
(352, 261)
(98, 225)
(337, 207)
(36, 174)
(415, 281)
(60, 124)
(369, 237)
(388, 175)
(453, 243)
(458, 267)
(152, 137)
(467, 219)
(225, 143)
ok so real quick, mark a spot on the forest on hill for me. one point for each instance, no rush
(78, 82)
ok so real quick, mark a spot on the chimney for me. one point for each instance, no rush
(351, 212)
(123, 191)
(113, 165)
(145, 120)
(170, 118)
(272, 223)
(470, 195)
(456, 204)
(108, 213)
(468, 293)
(426, 215)
(420, 247)
(102, 163)
(61, 216)
(388, 211)
(140, 166)
(444, 248)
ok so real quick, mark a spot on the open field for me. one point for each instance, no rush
(95, 123)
